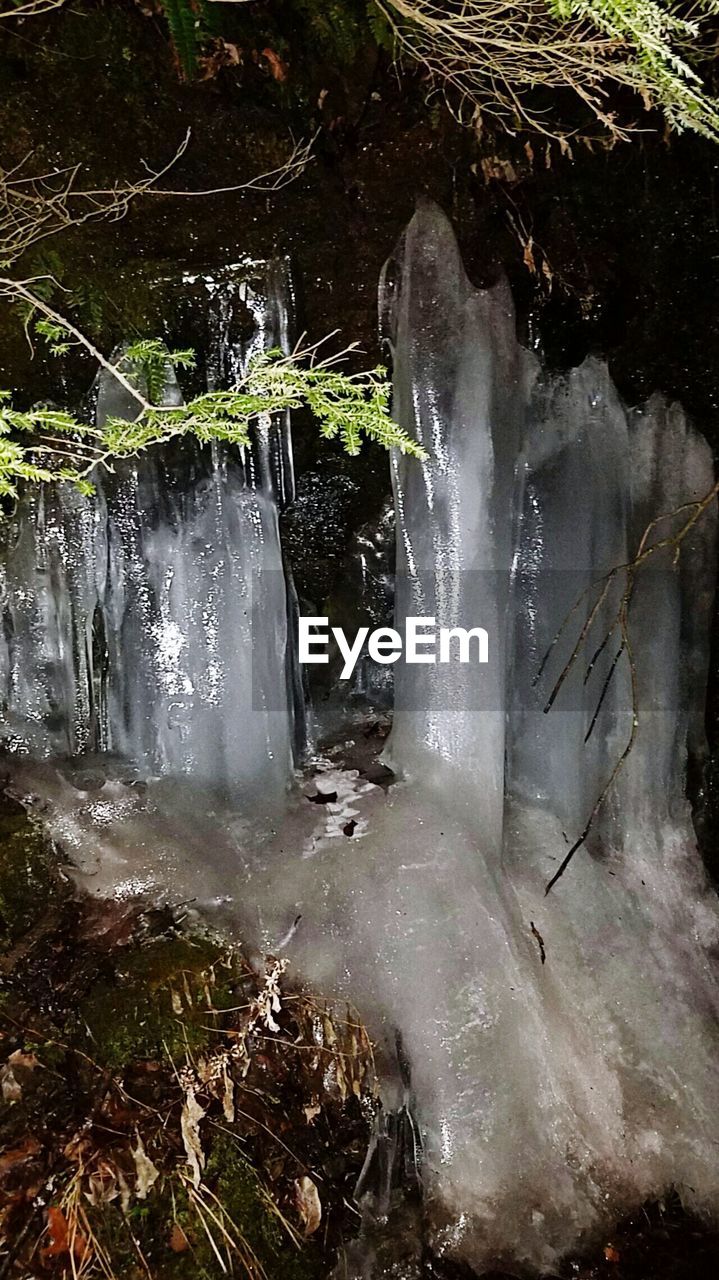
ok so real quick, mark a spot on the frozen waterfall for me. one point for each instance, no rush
(130, 618)
(561, 1048)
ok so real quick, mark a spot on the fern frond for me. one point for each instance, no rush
(183, 19)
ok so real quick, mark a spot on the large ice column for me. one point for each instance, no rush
(573, 497)
(628, 998)
(593, 479)
(199, 609)
(460, 385)
(562, 1048)
(163, 641)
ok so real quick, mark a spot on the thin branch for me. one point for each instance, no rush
(273, 180)
(488, 56)
(605, 689)
(17, 289)
(31, 9)
(35, 208)
(645, 550)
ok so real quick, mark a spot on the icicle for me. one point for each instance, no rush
(152, 620)
(562, 1049)
(268, 298)
(562, 1046)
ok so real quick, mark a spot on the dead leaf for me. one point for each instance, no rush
(108, 924)
(192, 1114)
(178, 1241)
(102, 1185)
(228, 1096)
(147, 1173)
(268, 1001)
(125, 1193)
(499, 169)
(528, 256)
(78, 1149)
(11, 1087)
(62, 1239)
(221, 53)
(12, 1160)
(205, 1070)
(11, 1075)
(27, 1061)
(312, 1111)
(308, 1204)
(57, 1231)
(233, 53)
(187, 991)
(278, 68)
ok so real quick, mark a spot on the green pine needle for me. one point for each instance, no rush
(350, 407)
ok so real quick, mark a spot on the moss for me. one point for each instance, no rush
(155, 1001)
(28, 875)
(264, 1247)
(104, 969)
(255, 1223)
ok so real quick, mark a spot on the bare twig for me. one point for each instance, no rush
(37, 207)
(273, 180)
(693, 511)
(17, 289)
(31, 9)
(489, 55)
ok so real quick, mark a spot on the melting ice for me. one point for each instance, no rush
(562, 1048)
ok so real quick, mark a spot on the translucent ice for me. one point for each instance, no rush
(151, 621)
(563, 1048)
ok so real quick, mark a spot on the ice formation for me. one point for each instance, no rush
(129, 619)
(562, 1048)
(551, 1093)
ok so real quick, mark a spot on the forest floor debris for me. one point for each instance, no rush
(167, 1111)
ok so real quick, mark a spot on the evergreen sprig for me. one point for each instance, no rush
(663, 41)
(148, 362)
(347, 406)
